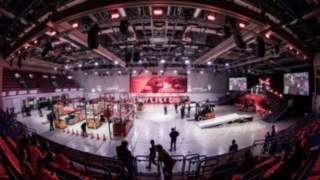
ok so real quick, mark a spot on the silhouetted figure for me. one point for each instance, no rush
(233, 147)
(84, 129)
(165, 109)
(189, 109)
(167, 161)
(125, 156)
(173, 136)
(266, 142)
(51, 118)
(247, 162)
(273, 131)
(176, 107)
(152, 155)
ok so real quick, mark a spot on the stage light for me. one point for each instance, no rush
(211, 17)
(119, 72)
(79, 65)
(53, 33)
(304, 57)
(115, 15)
(69, 77)
(227, 64)
(242, 25)
(31, 75)
(134, 71)
(161, 71)
(116, 62)
(107, 72)
(297, 52)
(146, 71)
(186, 61)
(17, 75)
(55, 68)
(140, 61)
(209, 63)
(157, 12)
(96, 64)
(163, 61)
(188, 72)
(268, 35)
(75, 25)
(175, 71)
(290, 47)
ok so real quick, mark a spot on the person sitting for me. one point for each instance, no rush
(296, 157)
(62, 160)
(43, 173)
(247, 162)
(233, 147)
(305, 145)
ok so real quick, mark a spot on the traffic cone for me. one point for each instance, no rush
(98, 137)
(104, 137)
(92, 136)
(77, 133)
(72, 132)
(68, 131)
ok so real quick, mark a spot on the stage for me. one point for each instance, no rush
(152, 123)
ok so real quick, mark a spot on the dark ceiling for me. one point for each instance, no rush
(42, 31)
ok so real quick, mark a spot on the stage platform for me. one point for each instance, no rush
(226, 119)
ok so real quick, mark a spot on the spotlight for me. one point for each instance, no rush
(268, 35)
(157, 12)
(116, 62)
(211, 17)
(96, 64)
(242, 25)
(163, 61)
(186, 61)
(53, 33)
(209, 63)
(75, 25)
(115, 15)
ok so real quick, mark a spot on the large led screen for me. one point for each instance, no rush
(238, 84)
(296, 83)
(158, 84)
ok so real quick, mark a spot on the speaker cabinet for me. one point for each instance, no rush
(239, 41)
(261, 47)
(93, 37)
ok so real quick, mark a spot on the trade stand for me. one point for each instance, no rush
(95, 108)
(67, 114)
(123, 119)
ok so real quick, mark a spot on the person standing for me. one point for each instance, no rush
(51, 119)
(176, 107)
(167, 161)
(152, 154)
(233, 147)
(165, 109)
(125, 156)
(189, 109)
(84, 129)
(173, 136)
(273, 131)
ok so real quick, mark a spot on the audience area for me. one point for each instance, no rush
(26, 80)
(289, 154)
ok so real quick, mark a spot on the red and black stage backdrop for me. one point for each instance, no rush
(158, 84)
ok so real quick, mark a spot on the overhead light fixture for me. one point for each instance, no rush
(79, 65)
(268, 35)
(290, 47)
(75, 25)
(35, 42)
(96, 64)
(157, 12)
(146, 71)
(242, 25)
(53, 33)
(188, 72)
(85, 73)
(96, 73)
(134, 71)
(119, 72)
(186, 61)
(211, 17)
(161, 71)
(163, 61)
(227, 64)
(69, 77)
(175, 71)
(209, 63)
(55, 68)
(115, 15)
(116, 62)
(140, 61)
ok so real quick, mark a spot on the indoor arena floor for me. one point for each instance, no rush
(152, 123)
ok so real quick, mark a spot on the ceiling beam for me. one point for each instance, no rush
(222, 6)
(81, 38)
(226, 45)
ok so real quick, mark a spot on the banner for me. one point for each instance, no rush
(158, 84)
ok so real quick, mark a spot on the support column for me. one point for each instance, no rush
(1, 77)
